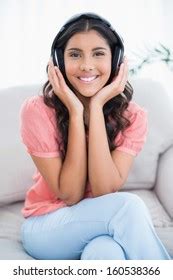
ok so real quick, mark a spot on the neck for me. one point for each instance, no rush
(84, 100)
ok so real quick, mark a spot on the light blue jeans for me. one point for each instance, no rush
(115, 226)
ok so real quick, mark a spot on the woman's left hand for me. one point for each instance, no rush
(114, 88)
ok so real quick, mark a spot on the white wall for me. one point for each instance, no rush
(27, 28)
(167, 8)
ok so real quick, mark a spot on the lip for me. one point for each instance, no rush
(88, 79)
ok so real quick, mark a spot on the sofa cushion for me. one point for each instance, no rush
(12, 250)
(10, 240)
(166, 235)
(165, 178)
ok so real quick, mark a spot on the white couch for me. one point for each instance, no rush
(151, 176)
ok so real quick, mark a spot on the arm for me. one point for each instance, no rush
(74, 170)
(107, 171)
(67, 180)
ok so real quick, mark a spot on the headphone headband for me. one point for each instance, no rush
(77, 17)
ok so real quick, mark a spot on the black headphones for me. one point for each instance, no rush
(57, 53)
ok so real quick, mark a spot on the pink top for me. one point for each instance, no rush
(40, 135)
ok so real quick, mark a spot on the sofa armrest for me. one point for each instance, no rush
(164, 181)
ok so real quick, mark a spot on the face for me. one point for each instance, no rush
(87, 59)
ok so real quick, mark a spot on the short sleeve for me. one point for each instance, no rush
(133, 138)
(37, 128)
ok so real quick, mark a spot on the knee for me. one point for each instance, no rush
(135, 205)
(90, 252)
(129, 203)
(102, 248)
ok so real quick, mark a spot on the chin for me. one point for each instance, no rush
(88, 92)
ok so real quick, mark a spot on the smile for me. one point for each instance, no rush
(87, 79)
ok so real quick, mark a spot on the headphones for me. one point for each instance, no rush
(57, 52)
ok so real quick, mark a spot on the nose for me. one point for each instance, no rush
(86, 65)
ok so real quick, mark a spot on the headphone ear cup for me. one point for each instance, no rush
(55, 57)
(117, 59)
(58, 59)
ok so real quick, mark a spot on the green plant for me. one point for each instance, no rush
(160, 53)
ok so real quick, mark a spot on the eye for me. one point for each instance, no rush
(99, 53)
(74, 54)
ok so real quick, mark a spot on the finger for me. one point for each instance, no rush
(55, 86)
(60, 76)
(49, 75)
(122, 74)
(117, 80)
(125, 75)
(52, 70)
(52, 76)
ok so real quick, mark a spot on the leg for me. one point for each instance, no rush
(64, 233)
(103, 248)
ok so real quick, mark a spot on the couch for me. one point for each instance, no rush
(151, 176)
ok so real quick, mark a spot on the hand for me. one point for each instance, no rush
(61, 89)
(114, 88)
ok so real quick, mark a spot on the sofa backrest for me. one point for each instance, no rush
(17, 167)
(153, 97)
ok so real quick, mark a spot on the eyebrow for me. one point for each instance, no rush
(95, 49)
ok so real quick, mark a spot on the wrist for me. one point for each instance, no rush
(95, 105)
(76, 112)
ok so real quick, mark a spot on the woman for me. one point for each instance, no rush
(83, 134)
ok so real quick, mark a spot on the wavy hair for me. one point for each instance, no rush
(113, 110)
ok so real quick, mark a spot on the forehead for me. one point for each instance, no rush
(86, 39)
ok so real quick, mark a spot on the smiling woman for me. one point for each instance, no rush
(83, 135)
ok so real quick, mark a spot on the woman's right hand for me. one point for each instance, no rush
(61, 89)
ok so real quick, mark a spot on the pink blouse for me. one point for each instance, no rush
(40, 135)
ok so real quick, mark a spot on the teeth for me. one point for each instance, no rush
(87, 79)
